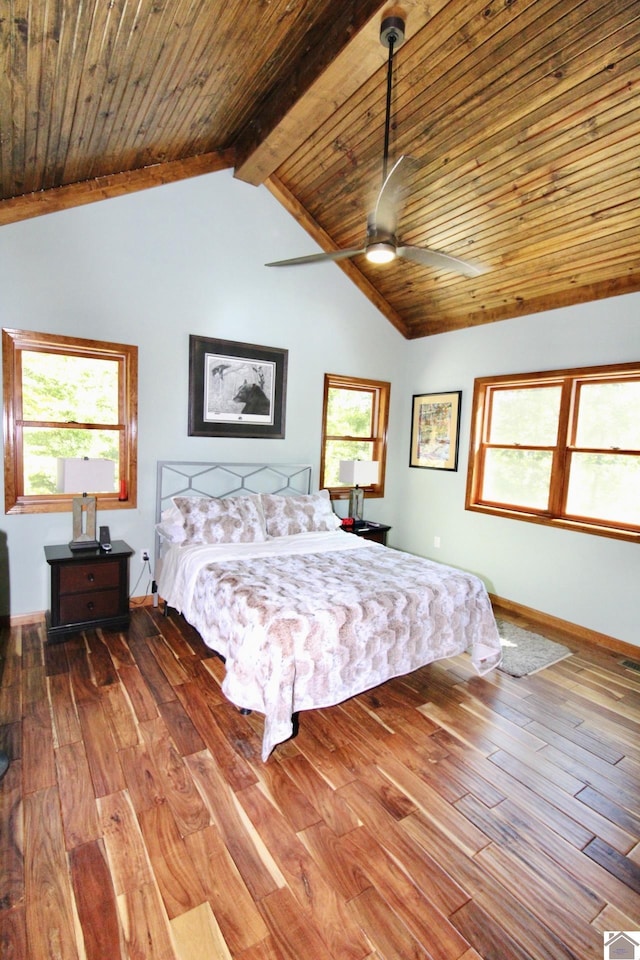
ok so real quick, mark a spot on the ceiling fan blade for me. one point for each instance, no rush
(391, 197)
(316, 258)
(433, 258)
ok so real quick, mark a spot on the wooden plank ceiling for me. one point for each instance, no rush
(522, 117)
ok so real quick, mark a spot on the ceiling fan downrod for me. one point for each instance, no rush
(381, 245)
(391, 36)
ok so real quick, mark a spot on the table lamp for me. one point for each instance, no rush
(358, 474)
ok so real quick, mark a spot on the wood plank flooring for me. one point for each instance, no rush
(441, 816)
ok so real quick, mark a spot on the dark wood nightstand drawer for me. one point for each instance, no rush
(77, 577)
(81, 607)
(88, 589)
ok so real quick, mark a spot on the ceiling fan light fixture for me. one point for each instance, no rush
(381, 252)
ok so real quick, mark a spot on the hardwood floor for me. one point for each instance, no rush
(439, 816)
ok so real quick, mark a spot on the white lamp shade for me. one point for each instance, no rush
(85, 475)
(359, 473)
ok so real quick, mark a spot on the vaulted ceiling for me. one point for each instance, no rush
(522, 119)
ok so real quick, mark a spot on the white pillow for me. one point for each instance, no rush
(171, 526)
(222, 520)
(285, 516)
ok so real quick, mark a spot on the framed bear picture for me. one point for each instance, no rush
(236, 389)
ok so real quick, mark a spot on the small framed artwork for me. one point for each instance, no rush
(435, 428)
(236, 389)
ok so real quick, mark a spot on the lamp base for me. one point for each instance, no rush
(356, 503)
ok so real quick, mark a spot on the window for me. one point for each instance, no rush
(66, 400)
(354, 427)
(561, 447)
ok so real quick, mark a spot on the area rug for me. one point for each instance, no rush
(524, 653)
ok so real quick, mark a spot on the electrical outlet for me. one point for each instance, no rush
(145, 556)
(436, 541)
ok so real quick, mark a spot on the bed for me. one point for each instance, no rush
(303, 614)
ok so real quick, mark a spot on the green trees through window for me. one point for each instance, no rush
(67, 400)
(60, 390)
(560, 447)
(354, 428)
(349, 415)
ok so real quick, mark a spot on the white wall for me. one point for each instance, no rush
(588, 580)
(153, 267)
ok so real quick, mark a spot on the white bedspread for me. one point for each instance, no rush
(311, 620)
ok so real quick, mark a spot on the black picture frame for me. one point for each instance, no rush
(435, 430)
(236, 389)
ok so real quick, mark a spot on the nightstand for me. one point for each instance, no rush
(89, 588)
(369, 530)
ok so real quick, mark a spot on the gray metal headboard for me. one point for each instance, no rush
(191, 479)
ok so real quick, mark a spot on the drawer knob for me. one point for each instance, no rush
(90, 605)
(90, 577)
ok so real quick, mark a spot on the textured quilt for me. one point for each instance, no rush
(311, 620)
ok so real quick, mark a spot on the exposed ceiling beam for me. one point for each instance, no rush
(115, 185)
(525, 307)
(330, 74)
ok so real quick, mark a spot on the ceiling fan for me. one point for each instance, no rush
(381, 245)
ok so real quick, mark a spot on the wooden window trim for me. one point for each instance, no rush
(13, 343)
(382, 392)
(571, 381)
